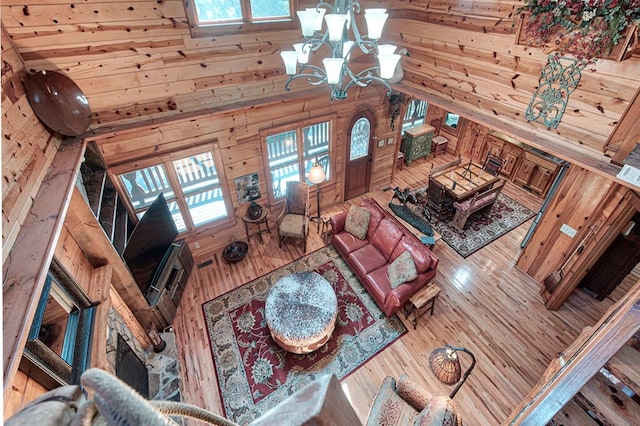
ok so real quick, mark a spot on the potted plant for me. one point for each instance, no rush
(585, 29)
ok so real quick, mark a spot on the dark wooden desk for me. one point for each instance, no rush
(467, 179)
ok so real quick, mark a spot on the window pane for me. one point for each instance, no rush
(281, 175)
(451, 120)
(262, 9)
(143, 186)
(206, 206)
(415, 115)
(200, 185)
(218, 10)
(360, 139)
(316, 146)
(282, 153)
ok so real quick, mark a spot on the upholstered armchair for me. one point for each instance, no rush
(293, 220)
(407, 403)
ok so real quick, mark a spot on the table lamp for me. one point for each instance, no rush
(445, 365)
(316, 176)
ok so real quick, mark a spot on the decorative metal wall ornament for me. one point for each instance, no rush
(557, 81)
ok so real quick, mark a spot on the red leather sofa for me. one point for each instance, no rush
(369, 259)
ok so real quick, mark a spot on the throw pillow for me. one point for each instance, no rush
(414, 394)
(357, 222)
(440, 410)
(402, 270)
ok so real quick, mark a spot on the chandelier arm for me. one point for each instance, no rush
(318, 74)
(370, 77)
(324, 4)
(316, 42)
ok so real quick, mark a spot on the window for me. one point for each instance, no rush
(415, 115)
(291, 153)
(360, 134)
(190, 185)
(58, 347)
(451, 122)
(220, 16)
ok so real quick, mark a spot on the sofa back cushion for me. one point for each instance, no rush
(422, 256)
(386, 237)
(376, 215)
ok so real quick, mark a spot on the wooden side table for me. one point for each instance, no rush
(327, 228)
(261, 220)
(421, 302)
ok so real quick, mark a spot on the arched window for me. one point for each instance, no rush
(360, 138)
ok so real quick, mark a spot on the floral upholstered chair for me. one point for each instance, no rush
(293, 220)
(407, 403)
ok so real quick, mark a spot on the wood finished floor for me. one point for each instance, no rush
(486, 305)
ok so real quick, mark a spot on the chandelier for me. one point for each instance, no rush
(341, 37)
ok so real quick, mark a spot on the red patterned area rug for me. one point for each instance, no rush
(255, 374)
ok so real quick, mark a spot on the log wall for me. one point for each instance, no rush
(28, 147)
(474, 63)
(235, 134)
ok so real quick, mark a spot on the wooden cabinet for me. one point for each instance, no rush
(509, 152)
(511, 155)
(535, 173)
(416, 142)
(164, 295)
(523, 166)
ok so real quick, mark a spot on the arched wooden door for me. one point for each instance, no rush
(359, 155)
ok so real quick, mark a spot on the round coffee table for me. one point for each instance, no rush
(301, 311)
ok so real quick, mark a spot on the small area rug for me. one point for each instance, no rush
(255, 374)
(481, 230)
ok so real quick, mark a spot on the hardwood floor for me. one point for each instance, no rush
(486, 305)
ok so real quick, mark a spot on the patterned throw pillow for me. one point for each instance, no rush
(357, 222)
(417, 396)
(440, 410)
(402, 270)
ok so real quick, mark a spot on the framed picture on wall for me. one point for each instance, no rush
(247, 188)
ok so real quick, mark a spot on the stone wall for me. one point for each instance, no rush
(163, 367)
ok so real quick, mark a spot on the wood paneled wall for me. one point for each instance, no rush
(28, 147)
(464, 54)
(236, 135)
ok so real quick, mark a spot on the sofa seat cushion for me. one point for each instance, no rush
(367, 259)
(344, 242)
(378, 285)
(402, 270)
(357, 222)
(386, 237)
(422, 257)
(377, 213)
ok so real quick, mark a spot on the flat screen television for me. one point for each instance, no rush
(149, 243)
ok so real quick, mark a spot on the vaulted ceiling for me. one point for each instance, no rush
(137, 62)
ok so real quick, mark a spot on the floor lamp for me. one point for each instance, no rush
(445, 365)
(316, 176)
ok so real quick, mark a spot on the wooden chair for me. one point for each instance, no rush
(438, 203)
(493, 164)
(438, 170)
(481, 202)
(293, 220)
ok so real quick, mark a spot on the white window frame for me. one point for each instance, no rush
(166, 160)
(246, 25)
(302, 160)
